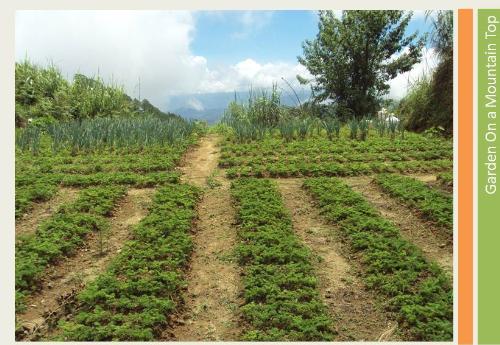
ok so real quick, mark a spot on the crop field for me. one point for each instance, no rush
(205, 237)
(316, 207)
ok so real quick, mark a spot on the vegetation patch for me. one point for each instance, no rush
(60, 235)
(433, 204)
(133, 299)
(273, 157)
(32, 193)
(281, 297)
(445, 179)
(418, 291)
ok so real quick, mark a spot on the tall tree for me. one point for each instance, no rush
(354, 57)
(442, 79)
(429, 102)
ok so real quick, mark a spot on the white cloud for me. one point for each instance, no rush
(250, 73)
(251, 22)
(120, 45)
(399, 85)
(154, 46)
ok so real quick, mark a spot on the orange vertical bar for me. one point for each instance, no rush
(465, 182)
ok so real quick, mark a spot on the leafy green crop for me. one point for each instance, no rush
(343, 157)
(445, 178)
(281, 297)
(417, 290)
(61, 234)
(134, 298)
(29, 194)
(433, 204)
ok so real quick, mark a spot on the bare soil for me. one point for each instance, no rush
(200, 161)
(29, 222)
(212, 297)
(426, 178)
(353, 308)
(435, 244)
(63, 280)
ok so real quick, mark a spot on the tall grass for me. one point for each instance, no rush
(44, 95)
(108, 133)
(332, 126)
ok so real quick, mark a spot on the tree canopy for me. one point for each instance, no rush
(354, 57)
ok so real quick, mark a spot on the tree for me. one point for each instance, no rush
(354, 57)
(429, 102)
(442, 79)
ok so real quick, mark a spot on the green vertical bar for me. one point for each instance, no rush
(488, 191)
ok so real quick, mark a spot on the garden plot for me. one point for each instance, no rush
(64, 280)
(415, 289)
(213, 280)
(435, 244)
(355, 313)
(40, 211)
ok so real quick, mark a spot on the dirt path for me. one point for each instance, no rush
(200, 161)
(212, 296)
(426, 178)
(64, 279)
(28, 224)
(434, 243)
(356, 315)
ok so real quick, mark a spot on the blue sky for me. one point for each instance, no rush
(180, 52)
(226, 37)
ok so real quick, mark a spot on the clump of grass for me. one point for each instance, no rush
(392, 126)
(332, 127)
(212, 181)
(92, 135)
(353, 126)
(364, 125)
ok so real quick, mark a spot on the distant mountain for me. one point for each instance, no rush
(209, 115)
(210, 106)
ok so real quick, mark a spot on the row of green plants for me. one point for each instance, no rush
(134, 299)
(445, 178)
(300, 128)
(346, 157)
(30, 194)
(312, 147)
(163, 163)
(285, 169)
(417, 291)
(38, 177)
(90, 135)
(119, 156)
(432, 203)
(150, 160)
(264, 116)
(282, 302)
(61, 234)
(140, 180)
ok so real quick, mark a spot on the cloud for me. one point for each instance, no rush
(119, 45)
(123, 46)
(250, 73)
(399, 85)
(251, 22)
